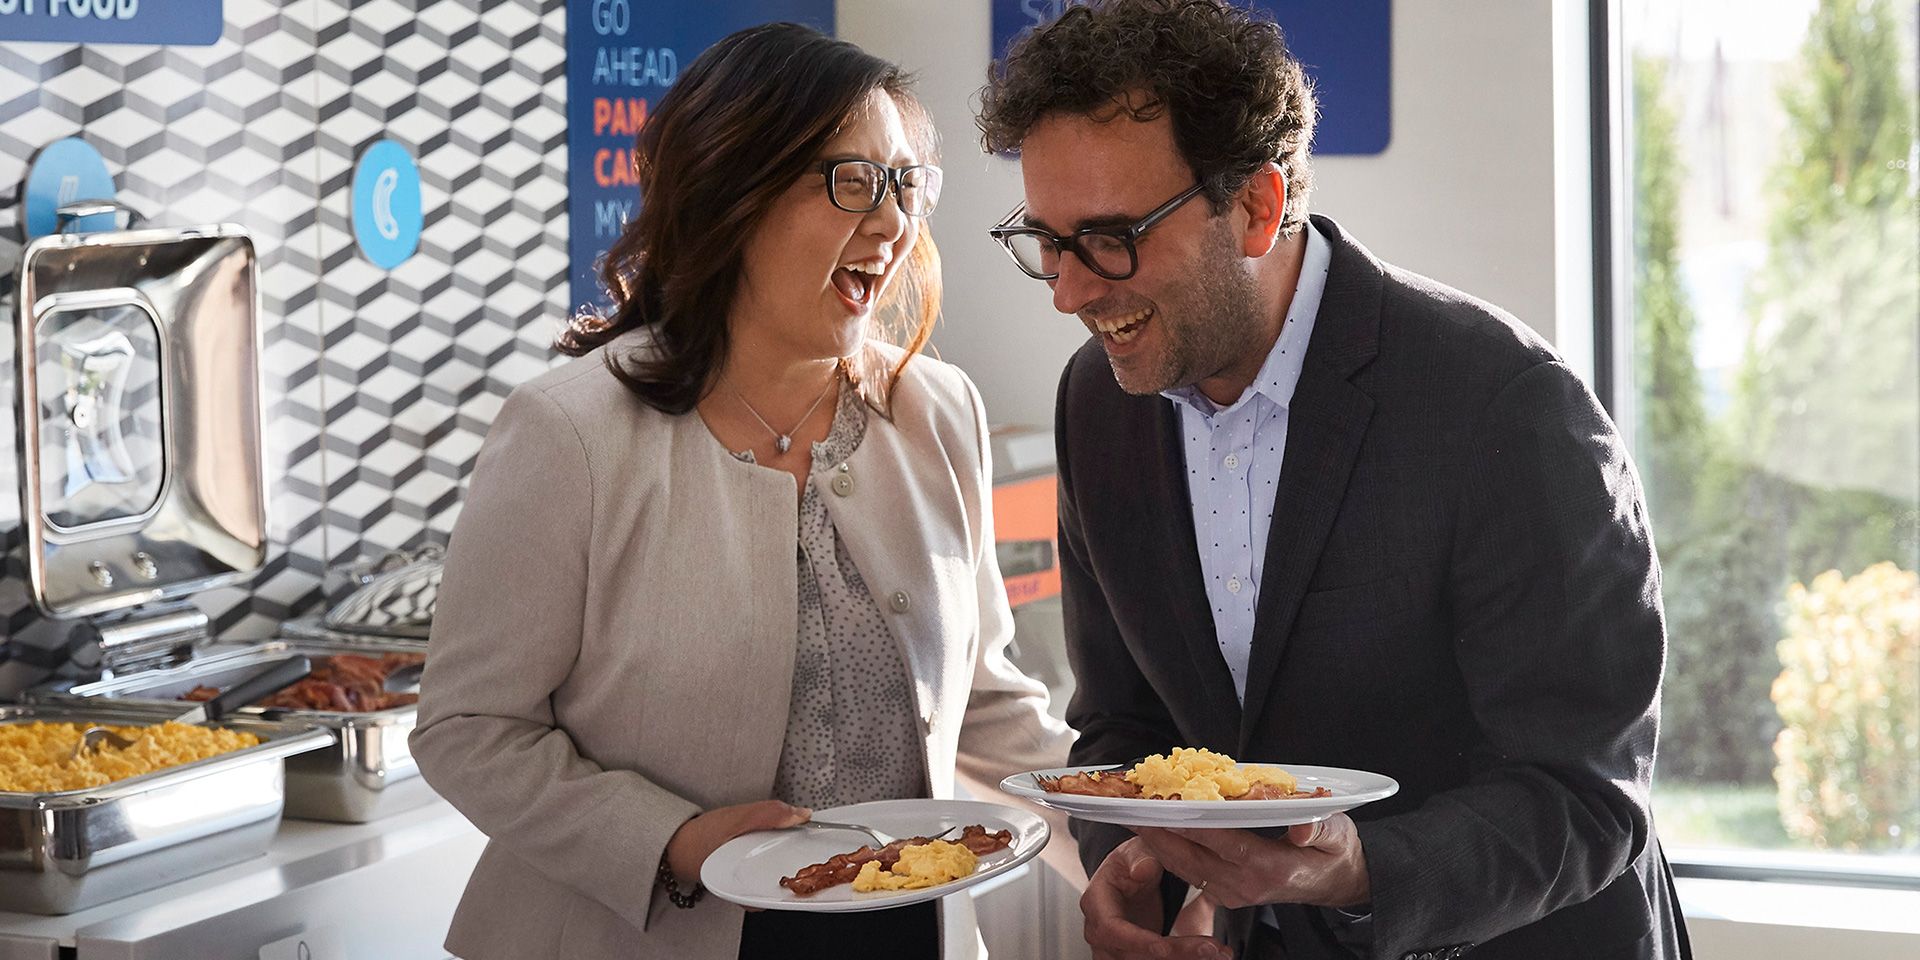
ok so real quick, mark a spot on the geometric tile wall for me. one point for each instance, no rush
(379, 386)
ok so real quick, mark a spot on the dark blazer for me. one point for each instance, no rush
(1460, 591)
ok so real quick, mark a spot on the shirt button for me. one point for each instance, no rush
(843, 485)
(1233, 585)
(900, 601)
(1233, 462)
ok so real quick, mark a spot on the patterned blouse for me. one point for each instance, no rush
(851, 732)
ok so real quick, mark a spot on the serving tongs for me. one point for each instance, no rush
(270, 680)
(404, 679)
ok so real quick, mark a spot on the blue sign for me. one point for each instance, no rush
(622, 55)
(386, 204)
(186, 23)
(65, 171)
(1346, 47)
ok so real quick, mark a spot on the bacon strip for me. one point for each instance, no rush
(1273, 791)
(1095, 783)
(842, 868)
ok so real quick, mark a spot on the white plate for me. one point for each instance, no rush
(747, 869)
(1351, 788)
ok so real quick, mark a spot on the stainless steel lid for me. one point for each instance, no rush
(395, 598)
(142, 474)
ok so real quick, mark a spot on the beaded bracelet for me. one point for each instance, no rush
(664, 877)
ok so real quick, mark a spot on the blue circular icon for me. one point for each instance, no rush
(66, 171)
(386, 204)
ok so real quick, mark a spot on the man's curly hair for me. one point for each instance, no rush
(1237, 99)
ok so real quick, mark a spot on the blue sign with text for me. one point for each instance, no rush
(186, 23)
(622, 55)
(1346, 47)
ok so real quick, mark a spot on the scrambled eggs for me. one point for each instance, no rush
(34, 756)
(1192, 774)
(920, 866)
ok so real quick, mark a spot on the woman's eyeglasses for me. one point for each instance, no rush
(860, 186)
(1108, 251)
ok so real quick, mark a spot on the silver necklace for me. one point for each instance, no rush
(783, 441)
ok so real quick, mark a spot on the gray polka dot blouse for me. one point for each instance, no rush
(851, 733)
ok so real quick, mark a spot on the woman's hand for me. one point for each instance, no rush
(698, 838)
(1122, 911)
(1195, 919)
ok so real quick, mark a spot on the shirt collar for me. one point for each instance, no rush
(1280, 374)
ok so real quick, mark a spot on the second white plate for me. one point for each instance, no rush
(1350, 788)
(747, 869)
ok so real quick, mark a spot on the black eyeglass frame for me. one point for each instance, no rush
(1128, 235)
(892, 176)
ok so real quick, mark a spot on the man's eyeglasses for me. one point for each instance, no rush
(860, 186)
(1107, 251)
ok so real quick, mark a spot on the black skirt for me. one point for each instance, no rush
(908, 933)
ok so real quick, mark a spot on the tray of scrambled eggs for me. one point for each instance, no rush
(1190, 787)
(760, 869)
(115, 821)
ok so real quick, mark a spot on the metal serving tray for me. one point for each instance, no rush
(66, 851)
(369, 772)
(315, 629)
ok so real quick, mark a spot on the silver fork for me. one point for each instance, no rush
(91, 739)
(880, 838)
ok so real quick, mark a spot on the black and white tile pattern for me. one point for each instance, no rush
(379, 385)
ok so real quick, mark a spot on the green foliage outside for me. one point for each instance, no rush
(1848, 696)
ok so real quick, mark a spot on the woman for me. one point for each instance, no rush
(737, 560)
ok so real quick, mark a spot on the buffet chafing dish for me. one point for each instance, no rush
(66, 851)
(143, 483)
(368, 773)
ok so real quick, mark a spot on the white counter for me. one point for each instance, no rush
(372, 891)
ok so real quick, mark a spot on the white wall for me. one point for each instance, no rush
(1463, 193)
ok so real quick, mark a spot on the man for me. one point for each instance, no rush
(1316, 509)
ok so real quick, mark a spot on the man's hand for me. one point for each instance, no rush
(1320, 864)
(1122, 910)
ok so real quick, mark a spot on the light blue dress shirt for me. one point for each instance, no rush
(1233, 468)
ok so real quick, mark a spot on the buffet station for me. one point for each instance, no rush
(163, 794)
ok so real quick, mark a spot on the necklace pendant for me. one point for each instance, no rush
(782, 442)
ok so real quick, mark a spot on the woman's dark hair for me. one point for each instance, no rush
(748, 118)
(1237, 99)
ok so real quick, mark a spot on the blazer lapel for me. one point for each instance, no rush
(1186, 586)
(1326, 423)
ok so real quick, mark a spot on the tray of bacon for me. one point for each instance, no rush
(369, 773)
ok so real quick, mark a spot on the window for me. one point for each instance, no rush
(1765, 369)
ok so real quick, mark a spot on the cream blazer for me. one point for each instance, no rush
(613, 647)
